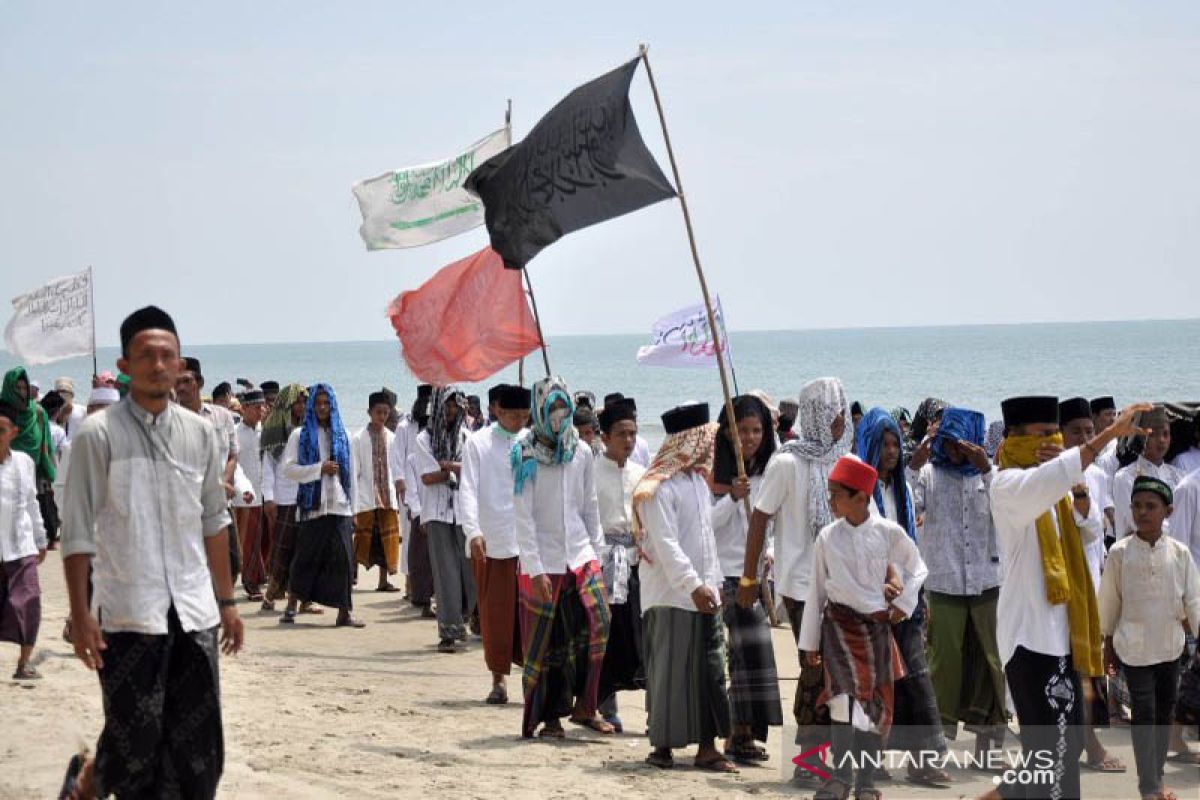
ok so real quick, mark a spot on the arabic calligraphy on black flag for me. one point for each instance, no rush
(583, 163)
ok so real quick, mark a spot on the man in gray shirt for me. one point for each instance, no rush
(147, 516)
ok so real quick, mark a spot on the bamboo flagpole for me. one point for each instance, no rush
(92, 290)
(708, 304)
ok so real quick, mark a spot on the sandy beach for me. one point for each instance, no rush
(312, 711)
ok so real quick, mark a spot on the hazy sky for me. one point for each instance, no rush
(848, 164)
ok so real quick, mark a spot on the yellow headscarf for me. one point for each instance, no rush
(1064, 566)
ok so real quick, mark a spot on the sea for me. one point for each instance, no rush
(975, 366)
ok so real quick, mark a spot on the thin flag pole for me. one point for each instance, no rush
(537, 320)
(92, 290)
(708, 304)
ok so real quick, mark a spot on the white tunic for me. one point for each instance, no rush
(251, 464)
(731, 529)
(437, 500)
(22, 533)
(784, 496)
(1185, 520)
(1122, 490)
(680, 543)
(1024, 617)
(485, 494)
(850, 567)
(558, 520)
(365, 497)
(334, 499)
(1146, 595)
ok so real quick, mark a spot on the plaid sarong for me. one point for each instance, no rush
(861, 660)
(565, 641)
(753, 680)
(282, 544)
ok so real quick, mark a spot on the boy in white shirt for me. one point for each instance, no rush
(22, 548)
(848, 614)
(376, 516)
(1149, 603)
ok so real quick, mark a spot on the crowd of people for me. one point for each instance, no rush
(936, 571)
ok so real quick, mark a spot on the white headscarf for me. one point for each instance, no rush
(821, 401)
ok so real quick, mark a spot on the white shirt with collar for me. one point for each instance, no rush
(614, 493)
(1024, 617)
(334, 500)
(365, 498)
(850, 565)
(437, 499)
(558, 518)
(22, 533)
(412, 497)
(1188, 461)
(402, 445)
(680, 544)
(731, 530)
(485, 493)
(1185, 520)
(1122, 490)
(143, 495)
(250, 464)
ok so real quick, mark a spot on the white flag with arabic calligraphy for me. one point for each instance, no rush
(424, 204)
(683, 338)
(53, 322)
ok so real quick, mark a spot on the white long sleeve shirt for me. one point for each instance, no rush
(412, 496)
(850, 567)
(250, 463)
(365, 497)
(438, 501)
(1145, 595)
(276, 486)
(1024, 617)
(402, 444)
(22, 533)
(485, 493)
(1185, 520)
(731, 528)
(1122, 490)
(558, 520)
(680, 543)
(334, 500)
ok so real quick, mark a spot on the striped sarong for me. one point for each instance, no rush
(861, 660)
(753, 680)
(282, 544)
(686, 701)
(565, 641)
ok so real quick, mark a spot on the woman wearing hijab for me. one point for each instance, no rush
(795, 495)
(564, 610)
(753, 680)
(317, 457)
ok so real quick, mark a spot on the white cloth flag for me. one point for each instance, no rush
(684, 339)
(53, 322)
(425, 204)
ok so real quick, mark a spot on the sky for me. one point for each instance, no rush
(847, 164)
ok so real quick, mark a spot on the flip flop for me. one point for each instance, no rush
(308, 608)
(745, 751)
(551, 733)
(497, 697)
(1110, 764)
(598, 725)
(26, 672)
(717, 763)
(350, 622)
(1191, 757)
(388, 588)
(661, 760)
(288, 618)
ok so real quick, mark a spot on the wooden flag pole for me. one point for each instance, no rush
(708, 305)
(528, 283)
(92, 290)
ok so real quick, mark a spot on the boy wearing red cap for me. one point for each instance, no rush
(847, 623)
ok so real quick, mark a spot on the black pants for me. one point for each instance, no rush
(49, 508)
(1152, 693)
(162, 715)
(1049, 704)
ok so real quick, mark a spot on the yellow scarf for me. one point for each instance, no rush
(1064, 566)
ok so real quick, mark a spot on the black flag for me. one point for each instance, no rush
(584, 162)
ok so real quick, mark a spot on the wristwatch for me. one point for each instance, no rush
(744, 581)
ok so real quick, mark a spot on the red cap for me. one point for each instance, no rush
(854, 473)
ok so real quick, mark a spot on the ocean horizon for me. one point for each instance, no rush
(975, 366)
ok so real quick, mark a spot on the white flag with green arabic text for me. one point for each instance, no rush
(424, 204)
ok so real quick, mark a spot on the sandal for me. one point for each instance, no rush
(743, 750)
(548, 732)
(598, 725)
(1106, 764)
(26, 672)
(288, 617)
(833, 789)
(1190, 757)
(268, 605)
(498, 696)
(615, 721)
(868, 794)
(387, 587)
(662, 760)
(931, 777)
(309, 608)
(254, 597)
(717, 763)
(349, 622)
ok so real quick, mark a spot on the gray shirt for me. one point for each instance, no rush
(143, 493)
(957, 540)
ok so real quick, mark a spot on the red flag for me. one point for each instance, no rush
(468, 321)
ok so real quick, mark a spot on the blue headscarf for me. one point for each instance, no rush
(958, 424)
(869, 443)
(309, 495)
(539, 443)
